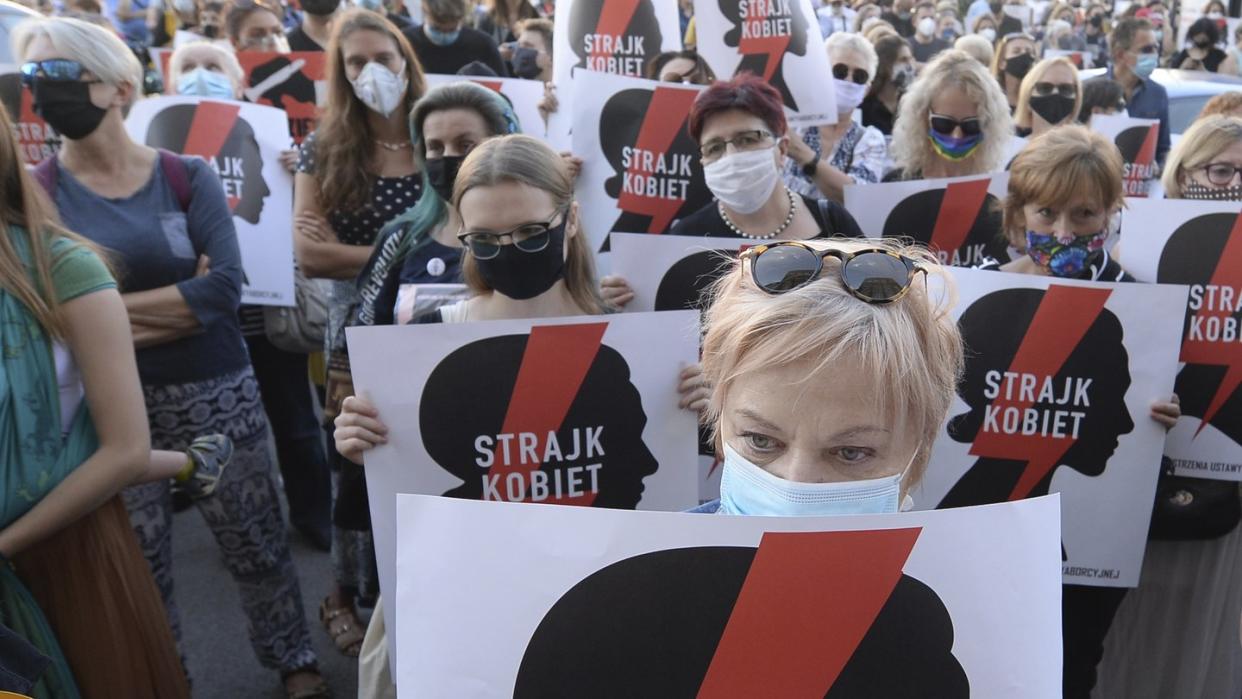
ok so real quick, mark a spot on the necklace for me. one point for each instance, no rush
(793, 207)
(400, 145)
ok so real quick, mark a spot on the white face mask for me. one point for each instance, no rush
(988, 33)
(379, 88)
(743, 181)
(746, 489)
(927, 26)
(849, 95)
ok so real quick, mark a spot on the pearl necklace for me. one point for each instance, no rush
(393, 146)
(793, 207)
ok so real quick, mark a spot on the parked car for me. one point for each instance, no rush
(1188, 91)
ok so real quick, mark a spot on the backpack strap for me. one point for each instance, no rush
(46, 174)
(178, 176)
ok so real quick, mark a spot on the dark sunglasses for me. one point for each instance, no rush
(528, 237)
(872, 275)
(842, 72)
(53, 69)
(1043, 89)
(945, 125)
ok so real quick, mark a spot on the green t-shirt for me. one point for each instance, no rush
(77, 271)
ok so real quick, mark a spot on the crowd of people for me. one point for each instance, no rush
(134, 383)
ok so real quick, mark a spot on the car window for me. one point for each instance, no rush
(1183, 110)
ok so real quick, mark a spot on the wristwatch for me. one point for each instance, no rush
(811, 168)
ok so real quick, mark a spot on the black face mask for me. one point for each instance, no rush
(524, 275)
(442, 173)
(321, 8)
(526, 63)
(66, 106)
(1052, 108)
(1019, 65)
(1097, 21)
(211, 31)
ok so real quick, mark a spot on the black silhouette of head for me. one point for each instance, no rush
(170, 129)
(915, 217)
(993, 329)
(1191, 257)
(468, 395)
(1130, 142)
(648, 626)
(584, 20)
(622, 120)
(757, 63)
(683, 284)
(296, 88)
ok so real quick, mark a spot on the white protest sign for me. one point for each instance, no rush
(242, 143)
(1082, 60)
(1056, 397)
(640, 169)
(777, 40)
(1137, 140)
(957, 217)
(567, 410)
(606, 36)
(523, 95)
(602, 603)
(1198, 243)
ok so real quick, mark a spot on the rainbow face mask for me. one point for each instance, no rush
(1062, 257)
(953, 148)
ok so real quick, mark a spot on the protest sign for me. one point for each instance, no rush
(522, 95)
(1136, 139)
(579, 602)
(242, 144)
(1056, 397)
(1198, 243)
(640, 170)
(778, 40)
(619, 37)
(36, 141)
(1082, 60)
(293, 82)
(580, 411)
(958, 217)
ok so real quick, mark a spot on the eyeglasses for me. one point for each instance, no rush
(1221, 173)
(528, 237)
(945, 125)
(872, 275)
(742, 141)
(52, 69)
(1067, 90)
(841, 72)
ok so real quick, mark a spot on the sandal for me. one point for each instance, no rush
(318, 690)
(346, 633)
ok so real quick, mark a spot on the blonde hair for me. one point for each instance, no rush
(912, 347)
(1002, 44)
(1204, 140)
(1064, 164)
(228, 61)
(98, 50)
(847, 41)
(911, 147)
(529, 161)
(978, 47)
(1022, 116)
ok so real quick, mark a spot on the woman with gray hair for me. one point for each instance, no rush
(954, 121)
(166, 220)
(826, 158)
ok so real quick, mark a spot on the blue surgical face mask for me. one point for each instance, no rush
(1146, 64)
(201, 82)
(746, 489)
(440, 38)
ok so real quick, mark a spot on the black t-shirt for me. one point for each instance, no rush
(832, 218)
(1009, 25)
(874, 113)
(299, 40)
(471, 45)
(925, 52)
(1211, 62)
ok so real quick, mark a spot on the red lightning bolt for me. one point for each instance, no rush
(554, 364)
(754, 43)
(493, 85)
(1060, 322)
(209, 130)
(614, 19)
(665, 118)
(793, 640)
(1142, 165)
(1229, 354)
(958, 211)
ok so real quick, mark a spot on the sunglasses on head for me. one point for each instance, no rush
(843, 72)
(1043, 89)
(873, 275)
(53, 69)
(945, 125)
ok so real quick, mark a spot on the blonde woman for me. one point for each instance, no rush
(1207, 161)
(953, 122)
(1051, 95)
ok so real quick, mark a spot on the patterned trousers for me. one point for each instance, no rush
(243, 514)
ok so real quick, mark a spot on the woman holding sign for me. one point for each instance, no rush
(953, 122)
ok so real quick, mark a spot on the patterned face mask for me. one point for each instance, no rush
(1062, 257)
(1194, 190)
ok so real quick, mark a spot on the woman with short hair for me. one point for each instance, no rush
(1051, 95)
